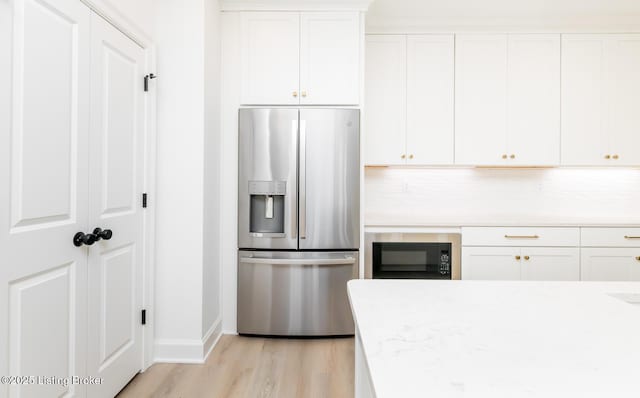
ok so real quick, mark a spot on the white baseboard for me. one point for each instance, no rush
(188, 350)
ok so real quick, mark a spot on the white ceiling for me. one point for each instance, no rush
(504, 8)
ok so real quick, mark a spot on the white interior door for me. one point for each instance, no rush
(115, 188)
(329, 58)
(386, 98)
(481, 99)
(430, 102)
(44, 122)
(533, 106)
(270, 58)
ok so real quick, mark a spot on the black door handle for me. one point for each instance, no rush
(81, 238)
(100, 234)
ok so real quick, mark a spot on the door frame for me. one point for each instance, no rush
(124, 25)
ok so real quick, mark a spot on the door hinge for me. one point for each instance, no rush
(144, 317)
(144, 200)
(146, 80)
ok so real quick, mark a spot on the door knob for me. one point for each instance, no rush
(81, 238)
(100, 234)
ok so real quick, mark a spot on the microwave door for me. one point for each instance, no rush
(329, 179)
(267, 179)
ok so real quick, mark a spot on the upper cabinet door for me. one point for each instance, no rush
(329, 58)
(270, 58)
(481, 99)
(385, 98)
(622, 124)
(430, 103)
(583, 82)
(533, 105)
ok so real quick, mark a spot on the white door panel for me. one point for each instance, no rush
(385, 96)
(430, 102)
(43, 174)
(270, 49)
(533, 106)
(550, 264)
(115, 186)
(329, 58)
(491, 263)
(610, 264)
(481, 99)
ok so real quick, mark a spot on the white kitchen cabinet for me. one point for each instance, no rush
(430, 101)
(550, 263)
(610, 264)
(481, 99)
(270, 43)
(385, 99)
(409, 88)
(491, 263)
(309, 58)
(600, 96)
(507, 100)
(329, 58)
(533, 100)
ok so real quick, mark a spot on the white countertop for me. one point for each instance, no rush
(499, 339)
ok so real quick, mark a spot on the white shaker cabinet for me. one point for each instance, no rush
(507, 100)
(491, 263)
(409, 88)
(430, 102)
(292, 58)
(610, 264)
(385, 99)
(329, 58)
(270, 57)
(550, 263)
(600, 96)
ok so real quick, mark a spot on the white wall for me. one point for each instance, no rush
(187, 266)
(395, 196)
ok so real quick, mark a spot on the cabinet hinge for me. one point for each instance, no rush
(146, 80)
(144, 200)
(144, 317)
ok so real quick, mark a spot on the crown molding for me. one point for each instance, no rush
(295, 5)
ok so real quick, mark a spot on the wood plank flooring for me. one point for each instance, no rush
(250, 367)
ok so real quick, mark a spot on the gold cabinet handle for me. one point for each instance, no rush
(403, 156)
(631, 237)
(411, 156)
(638, 258)
(521, 236)
(615, 156)
(527, 257)
(512, 156)
(504, 156)
(518, 258)
(295, 94)
(304, 93)
(607, 156)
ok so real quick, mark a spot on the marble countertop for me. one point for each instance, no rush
(425, 338)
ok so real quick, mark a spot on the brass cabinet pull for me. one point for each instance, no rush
(607, 156)
(512, 156)
(526, 257)
(615, 156)
(411, 156)
(638, 258)
(631, 237)
(504, 156)
(403, 156)
(521, 236)
(304, 93)
(518, 258)
(295, 94)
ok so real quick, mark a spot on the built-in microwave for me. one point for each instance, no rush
(412, 256)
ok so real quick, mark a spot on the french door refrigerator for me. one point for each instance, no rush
(298, 220)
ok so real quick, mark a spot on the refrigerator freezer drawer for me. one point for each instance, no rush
(295, 293)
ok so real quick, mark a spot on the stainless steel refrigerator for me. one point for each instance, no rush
(298, 220)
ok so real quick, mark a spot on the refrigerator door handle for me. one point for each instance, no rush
(302, 189)
(294, 154)
(299, 261)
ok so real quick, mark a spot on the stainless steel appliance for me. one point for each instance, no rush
(412, 256)
(298, 220)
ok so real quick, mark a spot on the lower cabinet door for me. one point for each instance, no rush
(491, 263)
(610, 264)
(550, 264)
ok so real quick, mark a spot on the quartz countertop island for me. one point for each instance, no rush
(423, 338)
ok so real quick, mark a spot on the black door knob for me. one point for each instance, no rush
(100, 234)
(81, 238)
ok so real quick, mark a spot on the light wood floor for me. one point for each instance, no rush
(256, 367)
